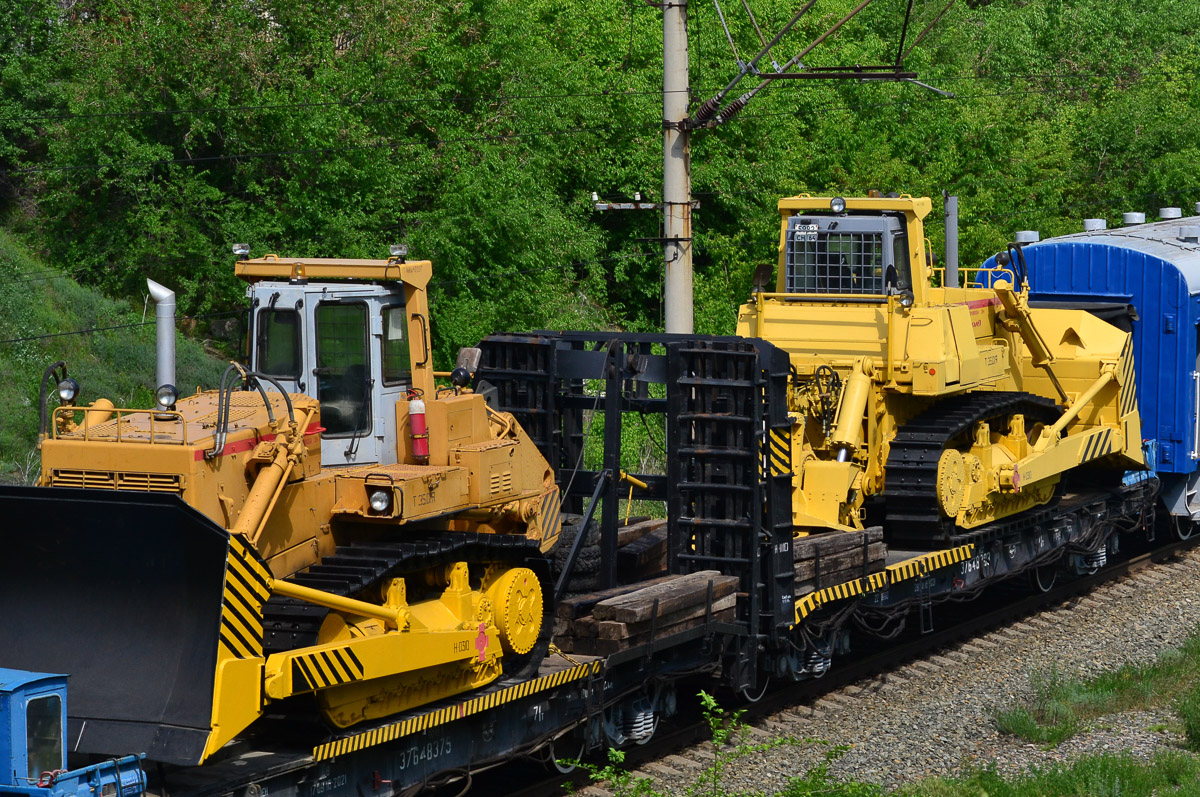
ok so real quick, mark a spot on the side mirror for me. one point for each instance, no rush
(465, 366)
(468, 358)
(762, 278)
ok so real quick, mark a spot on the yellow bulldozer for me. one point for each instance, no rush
(330, 524)
(940, 409)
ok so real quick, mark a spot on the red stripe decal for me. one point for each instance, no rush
(246, 445)
(979, 303)
(231, 448)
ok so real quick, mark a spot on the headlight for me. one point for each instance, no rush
(837, 204)
(166, 396)
(241, 250)
(381, 500)
(68, 389)
(906, 298)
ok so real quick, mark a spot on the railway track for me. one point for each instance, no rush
(978, 632)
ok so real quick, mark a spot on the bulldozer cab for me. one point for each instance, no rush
(868, 247)
(341, 331)
(345, 346)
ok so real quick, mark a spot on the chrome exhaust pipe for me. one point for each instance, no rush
(164, 316)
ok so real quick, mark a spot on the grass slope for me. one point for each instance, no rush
(37, 300)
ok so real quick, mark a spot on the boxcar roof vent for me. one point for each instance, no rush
(1028, 237)
(1093, 225)
(1133, 218)
(1170, 213)
(1189, 234)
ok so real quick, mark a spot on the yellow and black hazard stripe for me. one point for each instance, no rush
(246, 589)
(407, 727)
(850, 589)
(779, 451)
(1127, 399)
(548, 514)
(926, 563)
(325, 668)
(916, 567)
(1098, 446)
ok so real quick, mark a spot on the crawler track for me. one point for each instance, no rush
(911, 492)
(360, 566)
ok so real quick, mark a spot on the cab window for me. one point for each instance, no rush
(343, 369)
(43, 734)
(396, 367)
(903, 267)
(279, 343)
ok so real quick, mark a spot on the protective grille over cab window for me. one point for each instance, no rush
(824, 260)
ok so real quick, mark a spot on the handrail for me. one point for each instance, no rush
(89, 431)
(971, 274)
(831, 298)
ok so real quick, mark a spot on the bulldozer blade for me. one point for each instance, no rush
(122, 592)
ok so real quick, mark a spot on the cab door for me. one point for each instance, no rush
(344, 382)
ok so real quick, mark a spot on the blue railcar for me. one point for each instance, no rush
(1144, 277)
(33, 749)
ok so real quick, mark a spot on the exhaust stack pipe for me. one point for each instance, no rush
(951, 211)
(164, 316)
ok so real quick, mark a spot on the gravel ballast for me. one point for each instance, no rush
(936, 716)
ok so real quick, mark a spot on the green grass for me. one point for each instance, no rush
(1060, 706)
(1187, 706)
(1176, 774)
(36, 300)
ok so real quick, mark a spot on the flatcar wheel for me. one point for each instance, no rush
(1044, 577)
(1183, 527)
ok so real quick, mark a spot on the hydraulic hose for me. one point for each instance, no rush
(43, 418)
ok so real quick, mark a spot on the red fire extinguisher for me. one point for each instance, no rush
(418, 432)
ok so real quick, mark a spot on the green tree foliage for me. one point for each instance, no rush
(139, 139)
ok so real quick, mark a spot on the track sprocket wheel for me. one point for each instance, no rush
(952, 481)
(517, 604)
